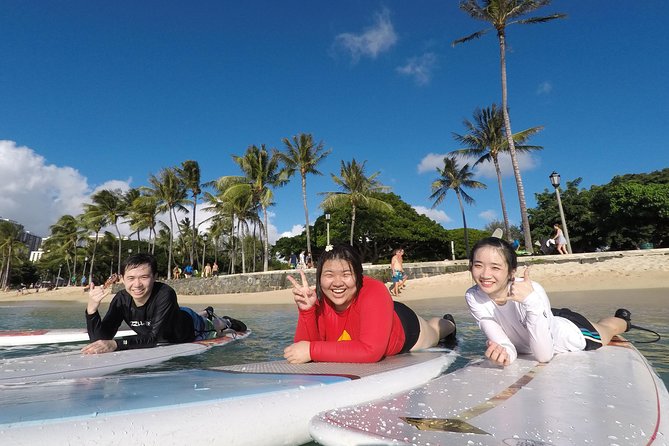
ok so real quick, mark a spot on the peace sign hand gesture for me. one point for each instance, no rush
(305, 296)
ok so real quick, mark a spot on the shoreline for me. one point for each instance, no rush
(629, 270)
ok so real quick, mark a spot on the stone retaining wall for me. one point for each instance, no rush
(276, 280)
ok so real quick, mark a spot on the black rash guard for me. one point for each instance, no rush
(158, 320)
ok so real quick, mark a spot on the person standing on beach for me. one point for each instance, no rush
(348, 317)
(149, 308)
(398, 277)
(560, 240)
(207, 270)
(214, 269)
(516, 316)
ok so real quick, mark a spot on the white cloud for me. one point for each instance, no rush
(489, 215)
(34, 193)
(430, 162)
(420, 68)
(435, 214)
(544, 88)
(373, 41)
(295, 230)
(525, 162)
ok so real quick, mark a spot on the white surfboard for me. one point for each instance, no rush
(73, 364)
(251, 404)
(13, 338)
(610, 396)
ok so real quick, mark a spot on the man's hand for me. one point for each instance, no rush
(497, 354)
(101, 346)
(298, 353)
(305, 296)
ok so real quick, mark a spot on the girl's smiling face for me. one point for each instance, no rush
(491, 272)
(338, 283)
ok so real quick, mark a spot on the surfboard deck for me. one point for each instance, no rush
(256, 404)
(610, 396)
(73, 364)
(14, 338)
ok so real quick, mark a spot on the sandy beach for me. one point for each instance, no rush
(647, 269)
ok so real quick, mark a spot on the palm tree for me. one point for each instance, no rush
(303, 155)
(170, 194)
(261, 173)
(93, 220)
(10, 247)
(189, 173)
(65, 235)
(110, 203)
(487, 141)
(502, 13)
(143, 216)
(452, 177)
(357, 191)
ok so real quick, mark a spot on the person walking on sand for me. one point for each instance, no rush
(214, 269)
(207, 270)
(560, 240)
(516, 316)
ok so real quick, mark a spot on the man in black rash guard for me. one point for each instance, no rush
(149, 308)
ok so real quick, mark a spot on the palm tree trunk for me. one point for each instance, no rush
(352, 222)
(169, 250)
(507, 229)
(464, 222)
(192, 245)
(265, 240)
(512, 147)
(306, 212)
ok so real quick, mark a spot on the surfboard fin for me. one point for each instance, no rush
(444, 425)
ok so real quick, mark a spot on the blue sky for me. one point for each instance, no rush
(103, 94)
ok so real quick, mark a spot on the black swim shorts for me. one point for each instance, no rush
(592, 338)
(410, 325)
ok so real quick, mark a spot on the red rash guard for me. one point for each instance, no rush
(374, 329)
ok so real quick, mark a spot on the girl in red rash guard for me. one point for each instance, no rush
(348, 317)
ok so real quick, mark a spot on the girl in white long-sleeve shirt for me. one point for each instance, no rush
(516, 316)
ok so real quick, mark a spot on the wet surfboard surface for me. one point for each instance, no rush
(610, 396)
(14, 338)
(73, 364)
(256, 404)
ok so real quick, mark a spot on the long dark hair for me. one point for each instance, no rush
(504, 248)
(347, 253)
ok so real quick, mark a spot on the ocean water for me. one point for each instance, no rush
(273, 327)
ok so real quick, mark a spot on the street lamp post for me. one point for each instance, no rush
(555, 181)
(58, 276)
(327, 225)
(85, 263)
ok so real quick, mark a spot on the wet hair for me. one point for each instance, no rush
(348, 254)
(141, 258)
(504, 248)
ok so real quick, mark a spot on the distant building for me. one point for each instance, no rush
(33, 242)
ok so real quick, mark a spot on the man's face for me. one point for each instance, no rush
(139, 282)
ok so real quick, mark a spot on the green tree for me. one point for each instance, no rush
(93, 220)
(261, 173)
(65, 236)
(500, 14)
(110, 204)
(357, 189)
(486, 140)
(170, 193)
(189, 173)
(455, 178)
(10, 249)
(303, 155)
